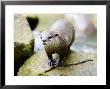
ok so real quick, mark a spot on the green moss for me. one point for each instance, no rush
(23, 50)
(21, 53)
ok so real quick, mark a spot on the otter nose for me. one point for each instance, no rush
(44, 40)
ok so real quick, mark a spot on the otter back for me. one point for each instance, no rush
(65, 30)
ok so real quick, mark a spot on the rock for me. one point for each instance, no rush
(74, 64)
(35, 65)
(23, 41)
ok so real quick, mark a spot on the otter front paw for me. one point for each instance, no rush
(51, 63)
(57, 63)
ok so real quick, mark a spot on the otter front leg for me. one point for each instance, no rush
(58, 61)
(50, 61)
(61, 57)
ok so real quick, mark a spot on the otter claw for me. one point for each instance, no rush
(51, 63)
(56, 65)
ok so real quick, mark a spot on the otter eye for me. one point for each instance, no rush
(50, 37)
(56, 34)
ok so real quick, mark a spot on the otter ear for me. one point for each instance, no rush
(56, 34)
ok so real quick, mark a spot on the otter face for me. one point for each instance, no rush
(45, 36)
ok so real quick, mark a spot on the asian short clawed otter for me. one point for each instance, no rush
(58, 40)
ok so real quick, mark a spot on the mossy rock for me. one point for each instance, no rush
(74, 64)
(35, 65)
(23, 41)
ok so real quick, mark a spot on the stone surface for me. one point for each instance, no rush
(23, 41)
(74, 64)
(35, 65)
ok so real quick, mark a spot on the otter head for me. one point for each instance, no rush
(46, 36)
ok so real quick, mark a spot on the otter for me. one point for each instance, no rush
(58, 40)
